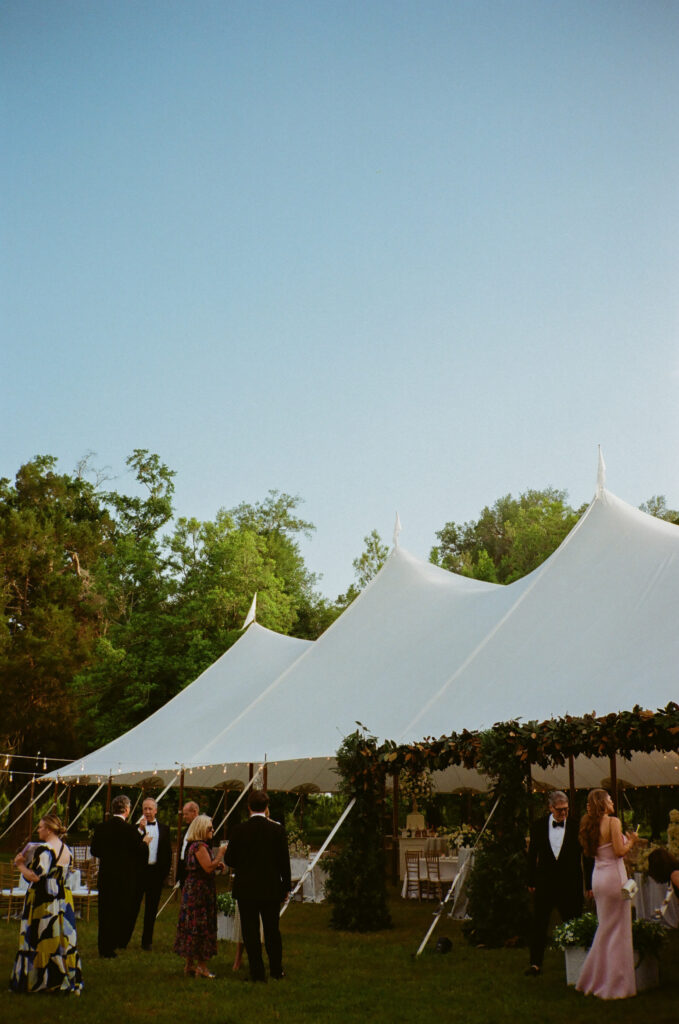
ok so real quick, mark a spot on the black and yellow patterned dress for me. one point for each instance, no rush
(48, 958)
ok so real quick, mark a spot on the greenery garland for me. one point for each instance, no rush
(499, 904)
(356, 884)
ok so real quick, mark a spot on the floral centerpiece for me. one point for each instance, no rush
(463, 835)
(416, 787)
(297, 843)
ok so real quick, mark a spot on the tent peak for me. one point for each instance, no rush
(252, 614)
(601, 475)
(397, 530)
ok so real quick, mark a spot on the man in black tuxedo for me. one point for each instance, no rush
(154, 871)
(258, 854)
(554, 873)
(121, 851)
(190, 810)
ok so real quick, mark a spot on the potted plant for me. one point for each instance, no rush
(648, 937)
(576, 936)
(226, 920)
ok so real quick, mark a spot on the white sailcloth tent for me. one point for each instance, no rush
(426, 652)
(172, 736)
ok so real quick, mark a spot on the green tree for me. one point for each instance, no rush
(657, 506)
(366, 567)
(54, 532)
(510, 539)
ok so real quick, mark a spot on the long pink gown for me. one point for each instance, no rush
(608, 970)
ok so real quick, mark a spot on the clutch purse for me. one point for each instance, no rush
(629, 889)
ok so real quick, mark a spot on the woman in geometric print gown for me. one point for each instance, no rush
(48, 958)
(608, 970)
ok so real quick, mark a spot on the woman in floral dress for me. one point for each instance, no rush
(48, 958)
(196, 938)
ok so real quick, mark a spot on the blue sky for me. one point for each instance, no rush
(384, 255)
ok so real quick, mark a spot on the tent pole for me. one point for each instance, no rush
(178, 845)
(614, 782)
(571, 782)
(107, 810)
(395, 852)
(30, 814)
(67, 806)
(265, 777)
(529, 790)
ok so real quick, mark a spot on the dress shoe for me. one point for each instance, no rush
(533, 971)
(147, 949)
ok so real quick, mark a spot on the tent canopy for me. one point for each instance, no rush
(423, 651)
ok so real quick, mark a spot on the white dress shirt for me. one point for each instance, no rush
(556, 836)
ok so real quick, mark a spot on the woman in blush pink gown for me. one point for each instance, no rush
(608, 970)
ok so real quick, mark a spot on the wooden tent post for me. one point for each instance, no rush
(529, 788)
(180, 820)
(67, 805)
(395, 852)
(571, 783)
(265, 777)
(30, 813)
(614, 782)
(107, 811)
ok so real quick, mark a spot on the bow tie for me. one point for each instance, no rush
(558, 824)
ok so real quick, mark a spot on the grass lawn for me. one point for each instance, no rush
(333, 977)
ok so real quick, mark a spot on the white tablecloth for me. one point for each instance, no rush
(313, 889)
(651, 896)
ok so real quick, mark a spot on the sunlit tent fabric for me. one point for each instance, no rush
(172, 735)
(426, 652)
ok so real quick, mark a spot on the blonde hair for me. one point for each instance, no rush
(590, 822)
(54, 824)
(198, 829)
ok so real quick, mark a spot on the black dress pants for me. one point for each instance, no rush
(150, 889)
(545, 899)
(250, 912)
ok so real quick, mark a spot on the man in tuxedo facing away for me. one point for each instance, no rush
(258, 854)
(121, 851)
(554, 874)
(190, 810)
(154, 871)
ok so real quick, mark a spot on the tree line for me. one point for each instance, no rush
(111, 605)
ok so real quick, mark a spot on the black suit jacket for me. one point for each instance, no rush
(545, 871)
(121, 852)
(258, 854)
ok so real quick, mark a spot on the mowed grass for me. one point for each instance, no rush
(333, 977)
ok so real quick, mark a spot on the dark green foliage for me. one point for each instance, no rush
(356, 886)
(509, 539)
(498, 905)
